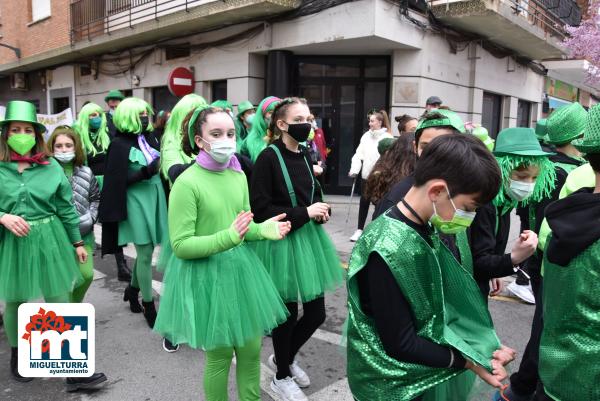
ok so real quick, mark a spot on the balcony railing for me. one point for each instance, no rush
(549, 15)
(92, 18)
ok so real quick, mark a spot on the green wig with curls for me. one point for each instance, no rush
(127, 115)
(544, 184)
(93, 142)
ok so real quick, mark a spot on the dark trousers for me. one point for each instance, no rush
(540, 394)
(291, 335)
(525, 381)
(363, 211)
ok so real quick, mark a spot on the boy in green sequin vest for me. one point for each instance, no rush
(570, 344)
(408, 296)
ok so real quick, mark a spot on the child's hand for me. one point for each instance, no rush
(241, 224)
(495, 287)
(504, 355)
(283, 226)
(495, 378)
(524, 247)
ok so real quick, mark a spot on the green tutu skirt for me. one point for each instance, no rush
(304, 265)
(220, 301)
(40, 265)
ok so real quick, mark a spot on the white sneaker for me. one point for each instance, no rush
(524, 292)
(287, 389)
(356, 235)
(299, 375)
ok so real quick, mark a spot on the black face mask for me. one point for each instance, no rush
(299, 131)
(144, 120)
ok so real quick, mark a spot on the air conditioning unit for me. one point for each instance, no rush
(18, 80)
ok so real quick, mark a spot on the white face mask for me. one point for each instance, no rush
(64, 157)
(221, 150)
(519, 190)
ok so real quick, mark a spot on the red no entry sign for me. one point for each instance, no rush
(181, 82)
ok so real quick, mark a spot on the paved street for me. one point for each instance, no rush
(138, 369)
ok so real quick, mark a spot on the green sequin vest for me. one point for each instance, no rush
(447, 306)
(570, 345)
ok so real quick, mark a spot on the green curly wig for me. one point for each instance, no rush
(544, 185)
(101, 140)
(127, 115)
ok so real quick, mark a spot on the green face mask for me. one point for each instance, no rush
(21, 143)
(459, 222)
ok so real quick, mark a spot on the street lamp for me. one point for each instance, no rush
(15, 49)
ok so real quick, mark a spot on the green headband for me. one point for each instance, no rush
(192, 123)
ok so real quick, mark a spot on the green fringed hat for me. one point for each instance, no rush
(19, 110)
(518, 141)
(114, 94)
(448, 119)
(590, 143)
(244, 107)
(541, 129)
(566, 123)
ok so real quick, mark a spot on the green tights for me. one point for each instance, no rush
(247, 372)
(142, 271)
(11, 317)
(87, 271)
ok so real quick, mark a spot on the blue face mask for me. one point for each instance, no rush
(95, 123)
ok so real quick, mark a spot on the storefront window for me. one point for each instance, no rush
(523, 113)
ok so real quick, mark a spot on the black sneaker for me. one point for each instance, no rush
(84, 383)
(169, 346)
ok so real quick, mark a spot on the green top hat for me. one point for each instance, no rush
(448, 119)
(541, 129)
(566, 123)
(590, 143)
(114, 94)
(18, 110)
(518, 141)
(244, 107)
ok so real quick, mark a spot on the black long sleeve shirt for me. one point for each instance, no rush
(269, 195)
(488, 246)
(382, 299)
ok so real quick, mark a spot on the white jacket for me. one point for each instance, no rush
(366, 153)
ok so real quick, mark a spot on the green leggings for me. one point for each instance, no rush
(11, 317)
(87, 271)
(142, 271)
(247, 372)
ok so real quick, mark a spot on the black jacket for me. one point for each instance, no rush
(488, 236)
(575, 225)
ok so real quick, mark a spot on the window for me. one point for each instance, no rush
(179, 51)
(491, 113)
(523, 113)
(219, 90)
(40, 9)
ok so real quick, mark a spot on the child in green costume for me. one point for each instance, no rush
(173, 160)
(570, 343)
(406, 291)
(217, 295)
(133, 207)
(564, 125)
(65, 147)
(255, 141)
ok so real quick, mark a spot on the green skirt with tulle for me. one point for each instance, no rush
(223, 300)
(40, 265)
(304, 265)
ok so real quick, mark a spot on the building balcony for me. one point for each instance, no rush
(531, 28)
(139, 21)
